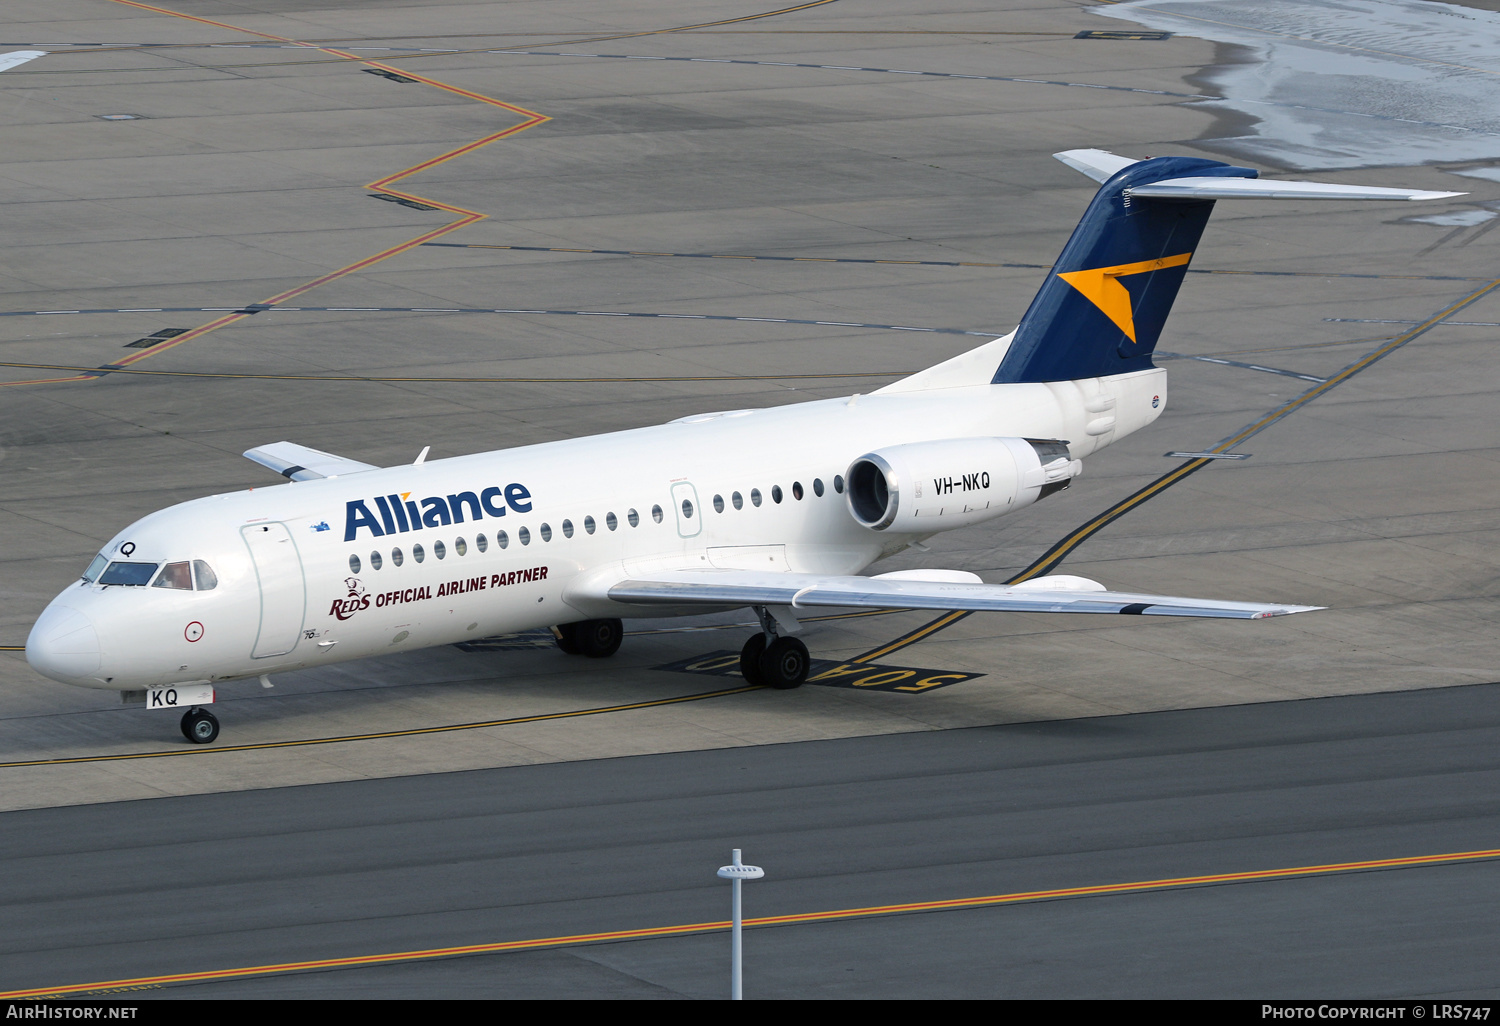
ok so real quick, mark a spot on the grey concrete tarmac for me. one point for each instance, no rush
(246, 174)
(212, 882)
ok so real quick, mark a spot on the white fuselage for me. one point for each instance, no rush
(293, 590)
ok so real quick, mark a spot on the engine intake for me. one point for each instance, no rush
(927, 487)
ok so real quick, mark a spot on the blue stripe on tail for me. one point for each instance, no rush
(1103, 306)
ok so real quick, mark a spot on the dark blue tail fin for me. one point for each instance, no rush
(1102, 308)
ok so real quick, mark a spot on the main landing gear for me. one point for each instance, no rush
(593, 638)
(772, 660)
(199, 726)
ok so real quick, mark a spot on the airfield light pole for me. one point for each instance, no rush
(736, 874)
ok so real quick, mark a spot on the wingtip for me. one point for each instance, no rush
(1286, 611)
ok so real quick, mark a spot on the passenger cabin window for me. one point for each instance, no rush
(656, 513)
(588, 525)
(755, 496)
(177, 576)
(797, 490)
(634, 518)
(396, 557)
(718, 503)
(374, 561)
(439, 550)
(417, 552)
(738, 500)
(818, 487)
(567, 526)
(546, 532)
(776, 493)
(460, 546)
(502, 539)
(354, 564)
(482, 543)
(611, 521)
(130, 575)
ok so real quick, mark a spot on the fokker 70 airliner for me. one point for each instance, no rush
(778, 510)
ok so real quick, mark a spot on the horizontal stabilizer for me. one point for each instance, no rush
(1100, 165)
(301, 463)
(1260, 188)
(18, 57)
(801, 591)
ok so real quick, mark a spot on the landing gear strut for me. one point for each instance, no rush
(200, 726)
(772, 660)
(593, 638)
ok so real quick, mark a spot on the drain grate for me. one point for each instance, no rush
(387, 74)
(156, 338)
(401, 200)
(1122, 34)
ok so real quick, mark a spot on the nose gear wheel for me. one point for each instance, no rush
(200, 726)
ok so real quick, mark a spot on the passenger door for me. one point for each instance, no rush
(283, 595)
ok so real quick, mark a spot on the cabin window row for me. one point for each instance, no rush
(502, 540)
(738, 501)
(523, 535)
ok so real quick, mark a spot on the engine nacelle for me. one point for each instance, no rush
(927, 487)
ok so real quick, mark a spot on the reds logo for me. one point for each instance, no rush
(346, 607)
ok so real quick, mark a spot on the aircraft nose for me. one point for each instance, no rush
(63, 645)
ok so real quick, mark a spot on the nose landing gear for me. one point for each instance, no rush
(200, 726)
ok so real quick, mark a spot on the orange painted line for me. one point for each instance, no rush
(204, 21)
(793, 919)
(187, 336)
(466, 216)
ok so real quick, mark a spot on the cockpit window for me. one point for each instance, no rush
(99, 563)
(177, 576)
(132, 575)
(207, 579)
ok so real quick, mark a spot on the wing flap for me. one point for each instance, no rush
(303, 463)
(802, 591)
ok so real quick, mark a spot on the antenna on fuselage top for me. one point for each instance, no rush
(421, 456)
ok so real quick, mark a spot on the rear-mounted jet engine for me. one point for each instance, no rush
(936, 486)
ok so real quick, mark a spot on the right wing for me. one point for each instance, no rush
(1062, 594)
(302, 463)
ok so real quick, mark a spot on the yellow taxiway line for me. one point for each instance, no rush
(411, 732)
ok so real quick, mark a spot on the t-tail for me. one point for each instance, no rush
(1103, 307)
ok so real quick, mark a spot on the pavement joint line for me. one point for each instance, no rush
(383, 186)
(1237, 363)
(344, 55)
(1054, 556)
(1394, 320)
(378, 379)
(379, 735)
(520, 52)
(791, 919)
(940, 263)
